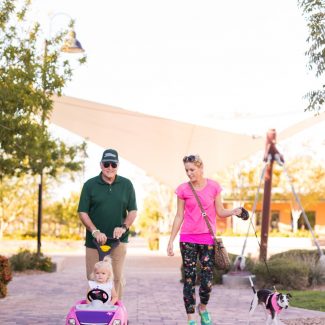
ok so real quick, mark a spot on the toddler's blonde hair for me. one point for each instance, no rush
(104, 264)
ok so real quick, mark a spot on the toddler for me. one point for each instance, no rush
(102, 278)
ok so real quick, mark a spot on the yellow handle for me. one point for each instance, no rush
(105, 248)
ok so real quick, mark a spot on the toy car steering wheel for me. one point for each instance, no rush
(97, 294)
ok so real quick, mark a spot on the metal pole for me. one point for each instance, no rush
(40, 185)
(39, 214)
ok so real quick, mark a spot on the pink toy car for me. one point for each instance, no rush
(97, 312)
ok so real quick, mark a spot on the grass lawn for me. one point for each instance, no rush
(313, 300)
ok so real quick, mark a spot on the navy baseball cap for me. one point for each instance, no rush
(110, 155)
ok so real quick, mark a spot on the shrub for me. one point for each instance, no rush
(316, 275)
(302, 255)
(26, 260)
(284, 273)
(153, 243)
(307, 258)
(5, 275)
(292, 270)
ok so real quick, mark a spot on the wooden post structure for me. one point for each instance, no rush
(269, 155)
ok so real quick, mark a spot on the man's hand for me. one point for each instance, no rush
(118, 232)
(100, 237)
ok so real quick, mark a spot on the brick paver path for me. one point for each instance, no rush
(153, 295)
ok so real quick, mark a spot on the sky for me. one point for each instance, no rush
(212, 60)
(233, 65)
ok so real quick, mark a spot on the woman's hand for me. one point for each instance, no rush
(236, 212)
(243, 213)
(170, 249)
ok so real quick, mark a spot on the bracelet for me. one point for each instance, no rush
(94, 232)
(124, 226)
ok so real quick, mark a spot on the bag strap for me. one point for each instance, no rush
(203, 213)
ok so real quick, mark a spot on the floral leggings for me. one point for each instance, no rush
(190, 253)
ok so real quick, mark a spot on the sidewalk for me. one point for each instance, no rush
(153, 294)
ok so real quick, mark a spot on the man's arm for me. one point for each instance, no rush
(98, 235)
(130, 218)
(85, 219)
(119, 231)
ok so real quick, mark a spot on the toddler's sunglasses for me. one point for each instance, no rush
(106, 164)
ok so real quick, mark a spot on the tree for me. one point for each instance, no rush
(29, 76)
(241, 183)
(17, 213)
(314, 12)
(62, 218)
(309, 185)
(18, 216)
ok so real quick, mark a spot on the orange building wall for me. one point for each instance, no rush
(320, 214)
(284, 209)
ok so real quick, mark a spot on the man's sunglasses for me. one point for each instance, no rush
(190, 158)
(106, 164)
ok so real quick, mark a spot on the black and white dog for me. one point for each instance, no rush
(274, 302)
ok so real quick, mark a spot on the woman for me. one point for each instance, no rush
(195, 238)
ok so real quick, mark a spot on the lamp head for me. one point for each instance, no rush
(71, 44)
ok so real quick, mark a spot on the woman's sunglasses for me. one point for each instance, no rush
(106, 164)
(190, 158)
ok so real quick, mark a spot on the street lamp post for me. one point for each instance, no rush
(71, 45)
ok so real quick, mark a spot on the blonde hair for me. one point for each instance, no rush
(105, 264)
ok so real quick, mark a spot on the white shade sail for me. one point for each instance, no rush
(157, 145)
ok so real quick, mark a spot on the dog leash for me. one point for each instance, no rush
(254, 209)
(251, 224)
(264, 260)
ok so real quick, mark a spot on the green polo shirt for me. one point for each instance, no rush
(107, 204)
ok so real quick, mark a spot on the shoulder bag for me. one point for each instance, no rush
(221, 258)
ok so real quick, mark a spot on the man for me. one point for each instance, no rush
(107, 208)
